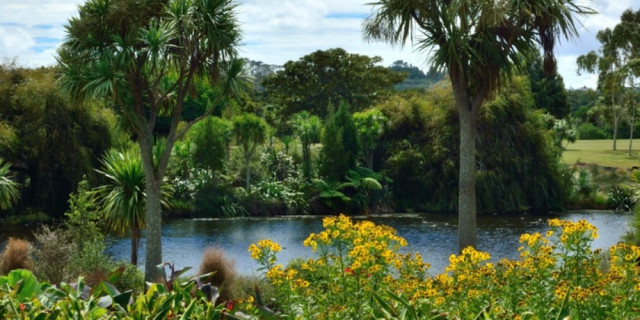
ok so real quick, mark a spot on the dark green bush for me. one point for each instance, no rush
(587, 131)
(622, 198)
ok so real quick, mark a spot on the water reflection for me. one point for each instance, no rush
(433, 235)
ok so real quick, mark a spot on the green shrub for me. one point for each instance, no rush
(90, 262)
(131, 279)
(622, 198)
(587, 131)
(16, 256)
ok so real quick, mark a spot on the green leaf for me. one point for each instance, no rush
(28, 285)
(104, 287)
(98, 313)
(386, 308)
(164, 308)
(402, 301)
(187, 312)
(123, 299)
(370, 184)
(105, 302)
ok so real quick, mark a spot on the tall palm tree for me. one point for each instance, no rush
(8, 188)
(145, 57)
(123, 196)
(478, 43)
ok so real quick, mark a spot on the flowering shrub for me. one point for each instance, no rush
(359, 272)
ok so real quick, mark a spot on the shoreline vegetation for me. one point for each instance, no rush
(358, 273)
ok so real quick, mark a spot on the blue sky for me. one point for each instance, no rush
(277, 31)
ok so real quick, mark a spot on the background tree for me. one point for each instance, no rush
(610, 78)
(370, 125)
(478, 43)
(307, 128)
(339, 145)
(250, 132)
(627, 38)
(548, 90)
(330, 76)
(212, 138)
(143, 57)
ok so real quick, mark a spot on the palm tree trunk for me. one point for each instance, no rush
(632, 120)
(134, 245)
(615, 121)
(467, 224)
(247, 163)
(306, 162)
(153, 212)
(154, 232)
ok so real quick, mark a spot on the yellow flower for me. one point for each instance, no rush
(255, 251)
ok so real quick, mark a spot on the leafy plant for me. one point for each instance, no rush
(622, 198)
(9, 193)
(22, 296)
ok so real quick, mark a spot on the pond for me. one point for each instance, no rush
(433, 235)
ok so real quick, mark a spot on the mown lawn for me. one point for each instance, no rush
(600, 152)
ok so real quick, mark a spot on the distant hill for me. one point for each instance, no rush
(416, 79)
(258, 70)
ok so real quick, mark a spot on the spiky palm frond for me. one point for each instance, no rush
(9, 192)
(123, 196)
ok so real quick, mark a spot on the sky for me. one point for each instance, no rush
(275, 32)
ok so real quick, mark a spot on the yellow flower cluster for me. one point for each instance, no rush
(470, 258)
(357, 259)
(582, 227)
(369, 248)
(263, 246)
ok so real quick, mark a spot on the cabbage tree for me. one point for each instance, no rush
(478, 43)
(144, 57)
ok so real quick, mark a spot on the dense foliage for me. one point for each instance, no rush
(518, 164)
(52, 143)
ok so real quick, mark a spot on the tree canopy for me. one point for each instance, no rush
(330, 76)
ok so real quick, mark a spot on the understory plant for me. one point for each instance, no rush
(22, 296)
(360, 272)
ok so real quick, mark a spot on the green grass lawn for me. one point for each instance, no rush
(600, 152)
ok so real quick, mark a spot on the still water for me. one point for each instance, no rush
(433, 235)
